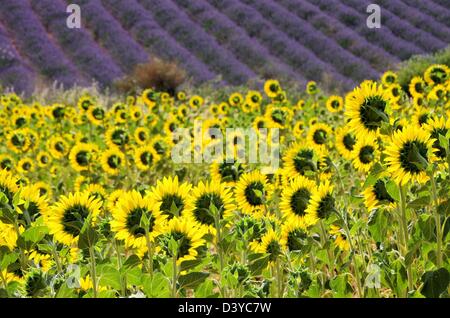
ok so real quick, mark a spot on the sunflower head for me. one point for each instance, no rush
(252, 192)
(322, 203)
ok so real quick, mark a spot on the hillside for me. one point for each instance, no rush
(235, 40)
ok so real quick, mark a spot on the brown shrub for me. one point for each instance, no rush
(162, 76)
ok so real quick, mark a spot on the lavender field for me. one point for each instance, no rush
(237, 40)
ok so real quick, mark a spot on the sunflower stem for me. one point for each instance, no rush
(404, 224)
(437, 219)
(93, 270)
(174, 276)
(123, 280)
(149, 253)
(57, 260)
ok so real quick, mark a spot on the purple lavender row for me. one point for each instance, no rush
(13, 72)
(417, 18)
(300, 58)
(149, 34)
(110, 34)
(91, 59)
(325, 48)
(196, 40)
(443, 3)
(434, 10)
(356, 21)
(34, 43)
(230, 36)
(345, 37)
(400, 27)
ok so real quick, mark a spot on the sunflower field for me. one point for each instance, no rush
(92, 205)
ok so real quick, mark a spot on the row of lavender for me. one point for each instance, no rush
(237, 39)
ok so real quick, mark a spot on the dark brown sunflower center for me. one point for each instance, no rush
(274, 250)
(366, 154)
(202, 211)
(133, 222)
(303, 162)
(414, 156)
(381, 194)
(82, 158)
(299, 201)
(279, 116)
(441, 152)
(230, 172)
(254, 192)
(438, 76)
(146, 158)
(98, 113)
(171, 205)
(114, 161)
(73, 219)
(349, 142)
(320, 136)
(335, 104)
(120, 137)
(296, 240)
(373, 113)
(326, 206)
(418, 87)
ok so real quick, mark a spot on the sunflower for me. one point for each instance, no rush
(8, 184)
(182, 111)
(321, 204)
(6, 162)
(419, 101)
(43, 159)
(388, 78)
(58, 147)
(319, 136)
(272, 244)
(44, 189)
(260, 122)
(367, 108)
(170, 125)
(272, 88)
(376, 196)
(33, 204)
(340, 238)
(408, 154)
(18, 141)
(96, 115)
(294, 234)
(225, 172)
(253, 98)
(126, 220)
(420, 117)
(117, 137)
(235, 99)
(160, 144)
(417, 86)
(181, 96)
(438, 126)
(149, 97)
(278, 117)
(252, 192)
(438, 92)
(295, 198)
(113, 198)
(188, 236)
(67, 216)
(112, 161)
(209, 129)
(298, 129)
(145, 157)
(345, 142)
(25, 165)
(196, 101)
(301, 159)
(141, 135)
(82, 156)
(96, 191)
(365, 153)
(85, 102)
(205, 196)
(335, 104)
(170, 196)
(116, 107)
(437, 74)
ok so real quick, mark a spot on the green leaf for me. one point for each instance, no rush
(206, 290)
(435, 282)
(109, 276)
(443, 141)
(419, 202)
(192, 280)
(190, 264)
(8, 259)
(259, 264)
(156, 286)
(393, 191)
(35, 234)
(339, 285)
